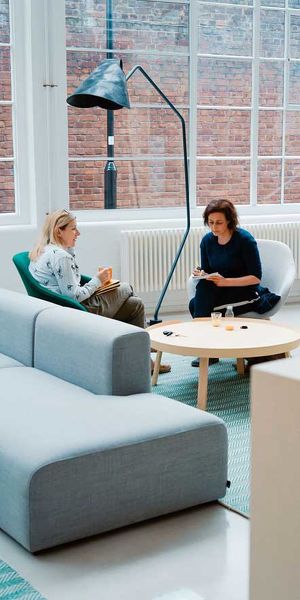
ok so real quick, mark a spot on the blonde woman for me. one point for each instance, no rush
(53, 265)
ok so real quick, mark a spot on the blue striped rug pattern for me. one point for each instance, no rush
(228, 398)
(14, 587)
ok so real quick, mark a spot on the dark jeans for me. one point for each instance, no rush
(208, 296)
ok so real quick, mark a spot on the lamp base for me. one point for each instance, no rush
(154, 321)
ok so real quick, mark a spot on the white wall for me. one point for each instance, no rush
(99, 243)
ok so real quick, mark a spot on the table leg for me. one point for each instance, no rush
(240, 366)
(202, 383)
(156, 367)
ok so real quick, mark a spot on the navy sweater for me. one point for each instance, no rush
(237, 258)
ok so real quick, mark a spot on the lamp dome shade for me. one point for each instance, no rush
(105, 87)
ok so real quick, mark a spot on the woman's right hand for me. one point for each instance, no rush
(103, 275)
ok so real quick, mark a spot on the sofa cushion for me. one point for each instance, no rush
(6, 361)
(102, 355)
(17, 318)
(76, 464)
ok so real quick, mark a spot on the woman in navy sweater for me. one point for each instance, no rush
(230, 256)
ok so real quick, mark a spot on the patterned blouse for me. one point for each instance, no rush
(58, 271)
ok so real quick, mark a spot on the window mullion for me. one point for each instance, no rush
(55, 95)
(193, 19)
(285, 95)
(20, 15)
(255, 104)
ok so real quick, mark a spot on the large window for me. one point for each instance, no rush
(7, 195)
(247, 142)
(248, 84)
(148, 142)
(231, 67)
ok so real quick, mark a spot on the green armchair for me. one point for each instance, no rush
(33, 288)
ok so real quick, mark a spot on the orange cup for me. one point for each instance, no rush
(109, 273)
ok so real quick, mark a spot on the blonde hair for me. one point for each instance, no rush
(49, 234)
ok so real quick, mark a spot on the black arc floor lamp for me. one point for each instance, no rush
(106, 87)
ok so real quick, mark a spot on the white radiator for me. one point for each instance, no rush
(146, 255)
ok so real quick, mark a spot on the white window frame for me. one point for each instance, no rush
(21, 115)
(39, 125)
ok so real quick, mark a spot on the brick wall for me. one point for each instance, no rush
(141, 184)
(226, 179)
(5, 84)
(137, 24)
(269, 181)
(292, 181)
(223, 133)
(153, 132)
(138, 132)
(143, 31)
(270, 132)
(6, 141)
(7, 185)
(4, 22)
(223, 81)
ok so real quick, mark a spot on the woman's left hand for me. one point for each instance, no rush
(218, 280)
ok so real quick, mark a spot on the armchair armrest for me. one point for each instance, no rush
(84, 279)
(191, 287)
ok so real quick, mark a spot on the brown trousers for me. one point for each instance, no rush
(121, 304)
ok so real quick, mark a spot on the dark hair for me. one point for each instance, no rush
(223, 206)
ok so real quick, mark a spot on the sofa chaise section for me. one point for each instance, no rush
(84, 446)
(77, 464)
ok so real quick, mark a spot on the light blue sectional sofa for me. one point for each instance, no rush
(85, 446)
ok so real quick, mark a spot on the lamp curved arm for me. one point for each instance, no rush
(187, 194)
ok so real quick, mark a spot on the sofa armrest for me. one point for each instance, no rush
(101, 355)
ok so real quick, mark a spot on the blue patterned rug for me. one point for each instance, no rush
(228, 398)
(14, 587)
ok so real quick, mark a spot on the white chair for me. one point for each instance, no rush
(278, 274)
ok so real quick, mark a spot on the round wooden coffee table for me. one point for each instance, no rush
(248, 338)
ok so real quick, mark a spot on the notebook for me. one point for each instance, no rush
(205, 276)
(108, 287)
